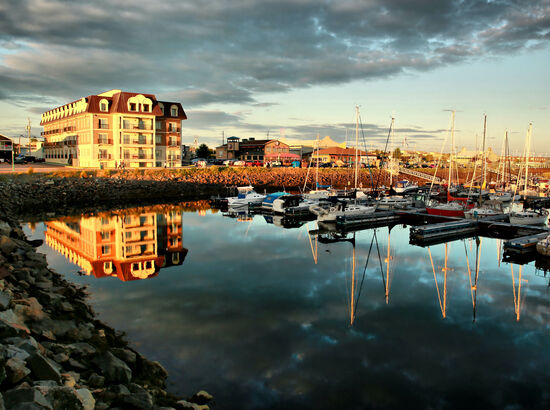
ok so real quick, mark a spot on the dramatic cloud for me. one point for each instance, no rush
(231, 52)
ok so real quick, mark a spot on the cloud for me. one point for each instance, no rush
(218, 52)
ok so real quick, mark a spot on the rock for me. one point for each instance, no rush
(14, 351)
(28, 345)
(75, 364)
(27, 397)
(114, 369)
(16, 370)
(43, 368)
(125, 355)
(118, 390)
(68, 380)
(61, 358)
(202, 397)
(7, 245)
(95, 380)
(9, 316)
(81, 349)
(5, 228)
(31, 309)
(86, 398)
(5, 299)
(10, 329)
(62, 397)
(183, 404)
(138, 399)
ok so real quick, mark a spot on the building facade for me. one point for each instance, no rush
(114, 129)
(338, 155)
(252, 149)
(6, 148)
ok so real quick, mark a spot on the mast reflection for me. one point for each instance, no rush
(129, 245)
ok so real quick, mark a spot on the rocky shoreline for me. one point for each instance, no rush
(54, 352)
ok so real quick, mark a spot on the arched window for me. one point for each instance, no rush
(174, 110)
(103, 105)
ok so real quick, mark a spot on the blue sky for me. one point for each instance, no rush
(290, 68)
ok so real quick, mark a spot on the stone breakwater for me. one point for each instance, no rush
(63, 192)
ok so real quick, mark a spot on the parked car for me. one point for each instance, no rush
(239, 163)
(228, 162)
(20, 159)
(253, 163)
(30, 158)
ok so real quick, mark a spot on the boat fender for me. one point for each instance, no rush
(332, 209)
(475, 214)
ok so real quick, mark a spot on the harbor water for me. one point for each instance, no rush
(266, 316)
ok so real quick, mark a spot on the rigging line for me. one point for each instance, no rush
(439, 160)
(435, 279)
(469, 274)
(385, 148)
(514, 288)
(380, 260)
(363, 277)
(366, 151)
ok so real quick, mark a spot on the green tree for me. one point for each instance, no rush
(203, 151)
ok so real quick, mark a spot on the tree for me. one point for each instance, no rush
(397, 153)
(203, 151)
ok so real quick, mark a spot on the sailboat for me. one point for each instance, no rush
(526, 217)
(343, 208)
(316, 194)
(454, 206)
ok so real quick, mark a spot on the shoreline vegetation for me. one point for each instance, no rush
(54, 352)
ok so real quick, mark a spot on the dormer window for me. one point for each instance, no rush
(161, 106)
(103, 105)
(145, 107)
(132, 106)
(174, 111)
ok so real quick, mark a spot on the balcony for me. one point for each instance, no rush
(105, 142)
(136, 126)
(104, 157)
(103, 126)
(141, 156)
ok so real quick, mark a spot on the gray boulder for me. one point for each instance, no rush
(5, 299)
(43, 368)
(26, 398)
(114, 369)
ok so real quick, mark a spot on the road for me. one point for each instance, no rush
(37, 167)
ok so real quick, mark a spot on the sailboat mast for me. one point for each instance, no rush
(392, 159)
(452, 150)
(356, 146)
(484, 159)
(527, 155)
(507, 153)
(317, 165)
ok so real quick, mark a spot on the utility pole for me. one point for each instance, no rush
(28, 128)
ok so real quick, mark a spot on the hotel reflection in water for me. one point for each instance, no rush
(128, 245)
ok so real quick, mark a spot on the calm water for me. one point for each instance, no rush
(266, 317)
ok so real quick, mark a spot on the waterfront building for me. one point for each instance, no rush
(114, 129)
(251, 149)
(6, 148)
(338, 155)
(128, 246)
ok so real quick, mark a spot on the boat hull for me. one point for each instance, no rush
(445, 212)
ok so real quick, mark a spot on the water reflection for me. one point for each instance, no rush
(311, 317)
(129, 245)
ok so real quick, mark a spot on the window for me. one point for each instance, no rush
(103, 123)
(157, 139)
(161, 106)
(132, 106)
(103, 107)
(128, 235)
(102, 139)
(174, 111)
(106, 249)
(105, 235)
(145, 107)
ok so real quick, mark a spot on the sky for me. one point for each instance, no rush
(293, 69)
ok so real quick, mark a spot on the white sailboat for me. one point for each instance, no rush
(342, 208)
(526, 217)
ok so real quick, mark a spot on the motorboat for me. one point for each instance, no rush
(267, 203)
(403, 187)
(394, 202)
(529, 217)
(488, 208)
(245, 197)
(341, 208)
(501, 196)
(292, 204)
